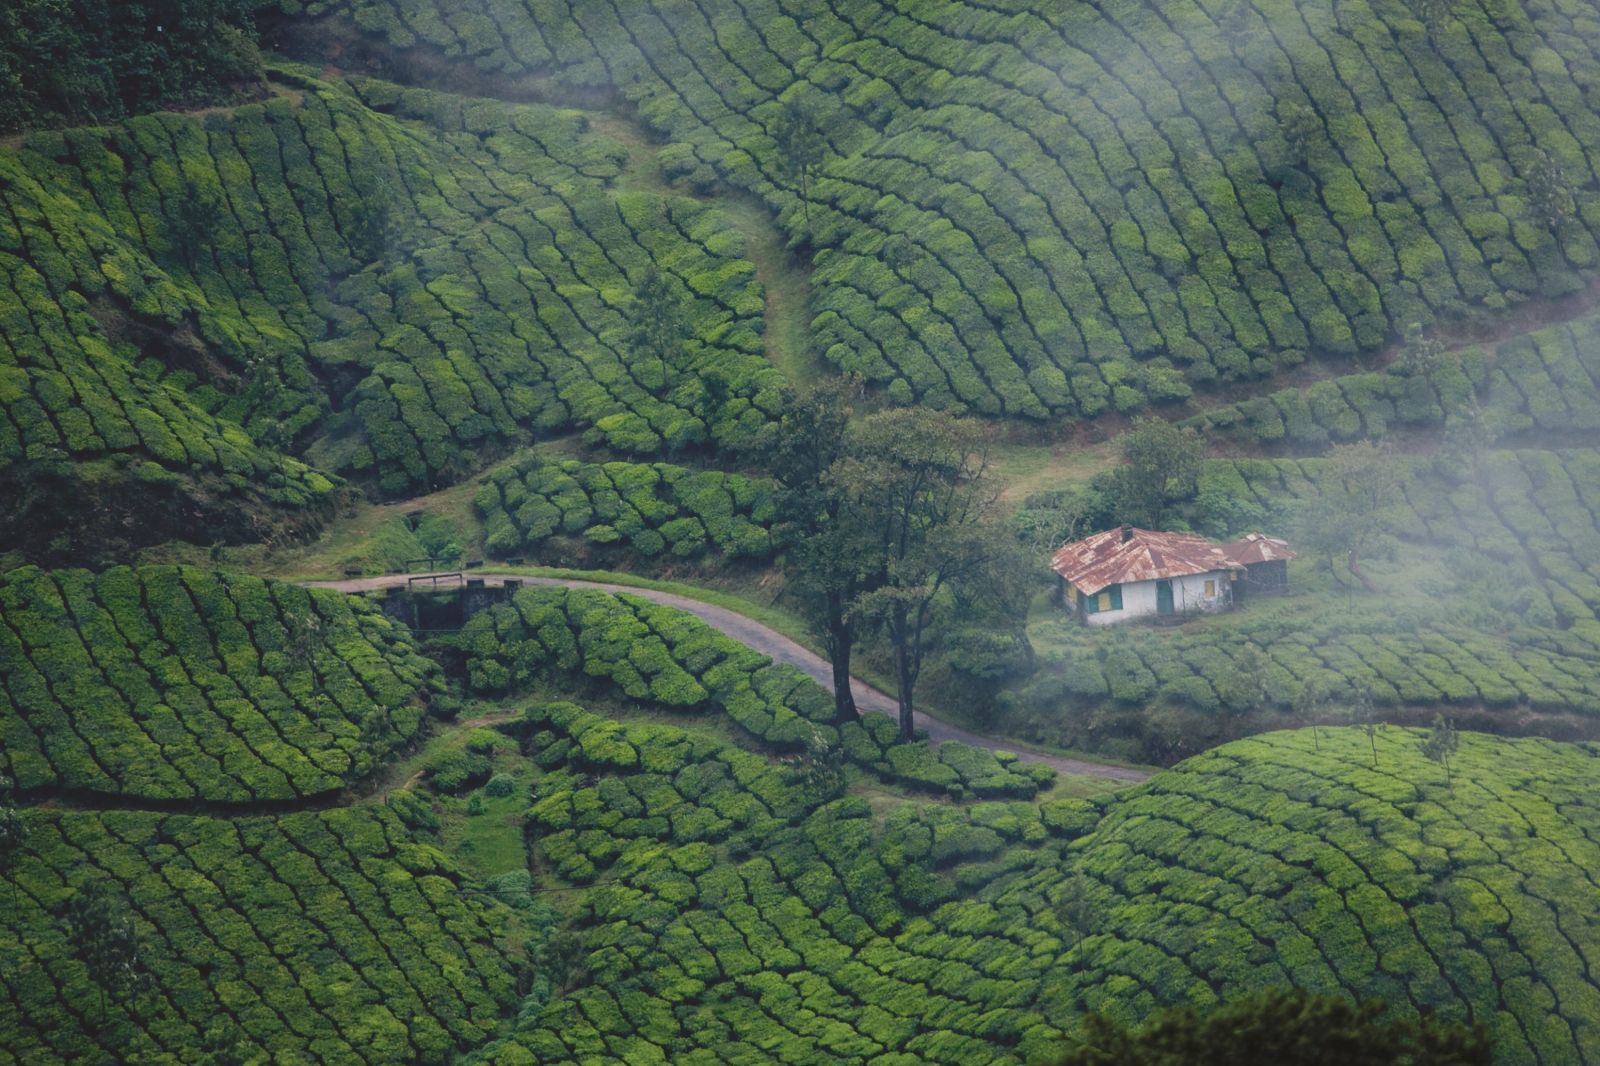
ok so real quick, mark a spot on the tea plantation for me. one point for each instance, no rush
(648, 509)
(732, 921)
(342, 272)
(1035, 209)
(669, 658)
(659, 286)
(337, 936)
(175, 683)
(1491, 610)
(1539, 383)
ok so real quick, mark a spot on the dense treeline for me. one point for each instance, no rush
(73, 62)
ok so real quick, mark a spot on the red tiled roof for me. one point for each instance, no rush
(1257, 548)
(1107, 559)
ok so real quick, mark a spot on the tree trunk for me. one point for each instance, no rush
(844, 700)
(1355, 569)
(902, 673)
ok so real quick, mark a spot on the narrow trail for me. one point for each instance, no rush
(781, 649)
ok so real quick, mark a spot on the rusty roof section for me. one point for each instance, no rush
(1107, 558)
(1257, 548)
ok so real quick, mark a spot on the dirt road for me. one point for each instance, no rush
(780, 648)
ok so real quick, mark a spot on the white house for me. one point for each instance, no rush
(1133, 573)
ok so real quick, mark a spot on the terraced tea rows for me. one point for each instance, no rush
(404, 280)
(1278, 861)
(648, 508)
(1547, 381)
(169, 683)
(1071, 209)
(962, 936)
(667, 657)
(335, 936)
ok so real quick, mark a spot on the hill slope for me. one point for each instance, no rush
(1031, 208)
(733, 918)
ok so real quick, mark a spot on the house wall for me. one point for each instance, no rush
(1188, 596)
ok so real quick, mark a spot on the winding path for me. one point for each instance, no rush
(780, 648)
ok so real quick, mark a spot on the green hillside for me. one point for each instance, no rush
(726, 923)
(822, 325)
(340, 272)
(169, 683)
(1034, 208)
(336, 936)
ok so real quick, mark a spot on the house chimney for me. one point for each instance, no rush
(1127, 533)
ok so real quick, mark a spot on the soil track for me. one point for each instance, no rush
(781, 649)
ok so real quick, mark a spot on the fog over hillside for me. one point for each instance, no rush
(700, 531)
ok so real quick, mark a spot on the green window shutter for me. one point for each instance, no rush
(1116, 597)
(1087, 603)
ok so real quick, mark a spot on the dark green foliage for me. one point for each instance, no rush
(1287, 1028)
(986, 934)
(175, 683)
(1043, 209)
(454, 772)
(100, 930)
(335, 936)
(656, 509)
(71, 62)
(668, 657)
(1161, 467)
(402, 285)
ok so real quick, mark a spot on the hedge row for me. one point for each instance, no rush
(193, 296)
(650, 508)
(1285, 860)
(1070, 210)
(1547, 380)
(666, 656)
(337, 937)
(727, 921)
(177, 683)
(733, 917)
(954, 768)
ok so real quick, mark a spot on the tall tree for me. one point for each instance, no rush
(102, 934)
(658, 324)
(920, 513)
(822, 570)
(1301, 130)
(1353, 508)
(801, 146)
(1161, 466)
(1441, 743)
